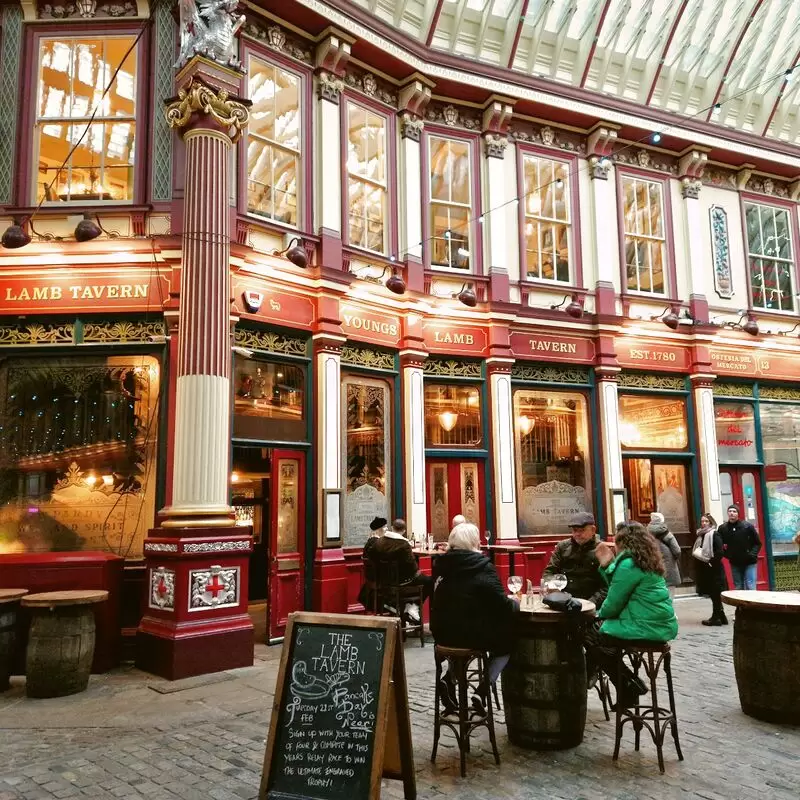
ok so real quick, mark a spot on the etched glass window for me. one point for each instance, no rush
(652, 422)
(366, 429)
(769, 257)
(554, 480)
(452, 415)
(273, 142)
(77, 454)
(73, 75)
(366, 179)
(450, 199)
(547, 218)
(643, 229)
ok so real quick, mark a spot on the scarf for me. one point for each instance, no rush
(708, 543)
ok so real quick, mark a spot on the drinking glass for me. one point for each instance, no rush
(514, 584)
(559, 582)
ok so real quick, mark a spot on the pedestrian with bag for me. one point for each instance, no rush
(711, 580)
(670, 550)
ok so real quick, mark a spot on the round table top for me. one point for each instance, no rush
(509, 548)
(10, 595)
(71, 597)
(542, 612)
(785, 602)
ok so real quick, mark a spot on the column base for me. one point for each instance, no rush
(329, 586)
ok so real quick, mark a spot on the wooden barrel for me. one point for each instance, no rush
(544, 684)
(9, 605)
(61, 641)
(766, 654)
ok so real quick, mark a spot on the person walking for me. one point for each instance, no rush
(741, 547)
(670, 550)
(711, 578)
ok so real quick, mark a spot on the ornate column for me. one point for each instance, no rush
(690, 171)
(610, 447)
(708, 456)
(599, 146)
(196, 618)
(413, 100)
(500, 225)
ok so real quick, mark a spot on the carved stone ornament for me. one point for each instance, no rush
(690, 189)
(548, 135)
(213, 588)
(411, 127)
(162, 589)
(89, 9)
(599, 168)
(495, 145)
(197, 98)
(450, 114)
(643, 158)
(208, 28)
(329, 87)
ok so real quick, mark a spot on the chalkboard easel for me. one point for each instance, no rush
(340, 719)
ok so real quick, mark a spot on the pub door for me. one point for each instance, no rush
(741, 486)
(286, 539)
(455, 487)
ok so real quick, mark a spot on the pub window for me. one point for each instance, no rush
(269, 400)
(769, 257)
(367, 471)
(450, 202)
(652, 422)
(77, 470)
(736, 433)
(366, 179)
(73, 74)
(452, 415)
(644, 235)
(552, 459)
(547, 219)
(273, 142)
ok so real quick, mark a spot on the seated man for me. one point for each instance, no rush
(575, 557)
(393, 546)
(367, 594)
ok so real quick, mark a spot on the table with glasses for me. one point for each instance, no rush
(544, 684)
(766, 653)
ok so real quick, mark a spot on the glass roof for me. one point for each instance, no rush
(685, 56)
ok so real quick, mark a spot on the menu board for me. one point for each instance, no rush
(329, 720)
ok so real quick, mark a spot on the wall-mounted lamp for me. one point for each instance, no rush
(295, 252)
(15, 235)
(394, 283)
(574, 309)
(448, 420)
(88, 229)
(669, 317)
(466, 296)
(749, 326)
(792, 330)
(525, 424)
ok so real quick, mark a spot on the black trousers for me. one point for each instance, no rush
(601, 653)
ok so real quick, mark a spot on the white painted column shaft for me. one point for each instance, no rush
(707, 450)
(329, 166)
(502, 430)
(410, 197)
(327, 405)
(414, 429)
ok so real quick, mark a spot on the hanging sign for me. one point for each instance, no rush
(260, 301)
(548, 347)
(455, 338)
(340, 717)
(647, 355)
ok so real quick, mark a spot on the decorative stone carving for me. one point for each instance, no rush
(239, 545)
(370, 84)
(196, 98)
(769, 185)
(208, 28)
(599, 168)
(213, 588)
(495, 145)
(720, 252)
(278, 39)
(329, 87)
(743, 175)
(86, 10)
(411, 127)
(692, 164)
(453, 117)
(162, 589)
(414, 97)
(160, 547)
(690, 189)
(643, 158)
(548, 135)
(450, 115)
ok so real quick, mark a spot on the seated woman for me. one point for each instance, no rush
(470, 609)
(638, 605)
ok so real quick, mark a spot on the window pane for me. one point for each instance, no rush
(652, 422)
(736, 433)
(548, 253)
(654, 205)
(629, 209)
(643, 259)
(459, 172)
(268, 400)
(79, 446)
(768, 231)
(642, 209)
(657, 265)
(366, 428)
(552, 459)
(452, 415)
(440, 168)
(753, 223)
(562, 253)
(783, 242)
(547, 187)
(561, 193)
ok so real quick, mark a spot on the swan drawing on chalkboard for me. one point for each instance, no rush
(311, 687)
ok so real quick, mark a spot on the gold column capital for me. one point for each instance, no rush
(226, 113)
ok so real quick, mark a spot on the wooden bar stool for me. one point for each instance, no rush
(462, 721)
(9, 606)
(650, 657)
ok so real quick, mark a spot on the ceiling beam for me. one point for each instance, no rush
(782, 92)
(437, 10)
(595, 40)
(664, 51)
(513, 52)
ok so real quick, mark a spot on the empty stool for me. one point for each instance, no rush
(650, 657)
(463, 721)
(9, 605)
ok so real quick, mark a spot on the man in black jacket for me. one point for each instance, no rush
(741, 546)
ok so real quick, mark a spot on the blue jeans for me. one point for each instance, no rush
(744, 577)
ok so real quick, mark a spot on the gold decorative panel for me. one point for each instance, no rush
(638, 380)
(452, 368)
(126, 332)
(732, 389)
(546, 374)
(270, 342)
(778, 393)
(12, 335)
(367, 358)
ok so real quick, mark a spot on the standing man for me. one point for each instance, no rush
(575, 558)
(741, 545)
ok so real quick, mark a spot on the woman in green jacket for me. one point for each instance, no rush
(638, 605)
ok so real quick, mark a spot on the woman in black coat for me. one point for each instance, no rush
(469, 607)
(711, 578)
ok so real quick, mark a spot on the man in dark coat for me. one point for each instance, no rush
(741, 545)
(575, 558)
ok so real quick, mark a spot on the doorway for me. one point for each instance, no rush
(455, 487)
(741, 487)
(267, 488)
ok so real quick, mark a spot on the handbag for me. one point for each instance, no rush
(698, 550)
(562, 601)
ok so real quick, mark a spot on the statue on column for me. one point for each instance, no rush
(209, 28)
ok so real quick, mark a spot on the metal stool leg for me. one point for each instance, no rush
(463, 718)
(618, 723)
(437, 710)
(671, 692)
(484, 675)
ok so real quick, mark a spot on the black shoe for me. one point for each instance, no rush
(592, 676)
(723, 620)
(447, 694)
(478, 706)
(714, 622)
(635, 686)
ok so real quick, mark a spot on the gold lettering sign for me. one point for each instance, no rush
(95, 292)
(453, 338)
(367, 325)
(550, 346)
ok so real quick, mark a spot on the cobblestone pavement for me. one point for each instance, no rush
(131, 735)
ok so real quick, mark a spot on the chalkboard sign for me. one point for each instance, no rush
(338, 683)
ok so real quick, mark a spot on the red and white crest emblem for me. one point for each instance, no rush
(253, 301)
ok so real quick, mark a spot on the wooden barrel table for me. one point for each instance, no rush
(766, 653)
(61, 641)
(9, 605)
(544, 684)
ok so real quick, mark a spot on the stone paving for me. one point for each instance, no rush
(131, 735)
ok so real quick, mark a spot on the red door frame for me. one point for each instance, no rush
(286, 570)
(454, 488)
(736, 473)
